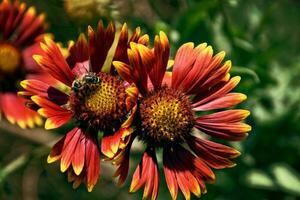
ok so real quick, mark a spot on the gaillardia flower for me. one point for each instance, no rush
(94, 100)
(21, 31)
(171, 108)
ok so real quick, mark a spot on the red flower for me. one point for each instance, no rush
(172, 108)
(94, 100)
(21, 31)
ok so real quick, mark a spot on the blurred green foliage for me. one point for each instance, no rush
(262, 40)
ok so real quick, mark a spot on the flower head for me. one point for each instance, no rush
(172, 107)
(21, 30)
(94, 100)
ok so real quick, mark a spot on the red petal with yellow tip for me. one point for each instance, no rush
(36, 87)
(213, 154)
(217, 76)
(198, 71)
(110, 143)
(56, 150)
(53, 62)
(190, 172)
(225, 101)
(146, 174)
(170, 176)
(99, 45)
(15, 111)
(215, 92)
(122, 161)
(141, 60)
(209, 67)
(92, 160)
(183, 63)
(79, 52)
(124, 71)
(33, 29)
(68, 151)
(161, 58)
(78, 159)
(56, 115)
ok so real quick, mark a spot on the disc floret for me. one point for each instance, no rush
(166, 117)
(98, 100)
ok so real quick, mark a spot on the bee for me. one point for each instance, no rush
(76, 85)
(90, 78)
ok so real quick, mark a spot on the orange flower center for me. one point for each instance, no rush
(99, 100)
(10, 58)
(166, 117)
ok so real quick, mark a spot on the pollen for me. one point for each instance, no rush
(99, 101)
(10, 58)
(166, 117)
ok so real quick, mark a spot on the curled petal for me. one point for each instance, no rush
(124, 71)
(161, 58)
(146, 174)
(218, 91)
(79, 155)
(110, 143)
(225, 124)
(56, 150)
(121, 159)
(54, 62)
(213, 154)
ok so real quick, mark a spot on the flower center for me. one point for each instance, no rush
(10, 58)
(166, 117)
(98, 101)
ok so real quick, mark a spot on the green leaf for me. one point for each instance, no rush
(286, 178)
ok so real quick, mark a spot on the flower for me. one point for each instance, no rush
(171, 110)
(82, 11)
(21, 30)
(93, 100)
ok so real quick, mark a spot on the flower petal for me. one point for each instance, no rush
(184, 60)
(213, 154)
(92, 157)
(40, 88)
(99, 44)
(56, 115)
(68, 151)
(146, 174)
(218, 91)
(161, 58)
(225, 101)
(15, 111)
(79, 51)
(53, 62)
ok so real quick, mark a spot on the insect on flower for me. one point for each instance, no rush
(96, 101)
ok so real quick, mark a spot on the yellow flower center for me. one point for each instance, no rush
(166, 117)
(10, 58)
(99, 100)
